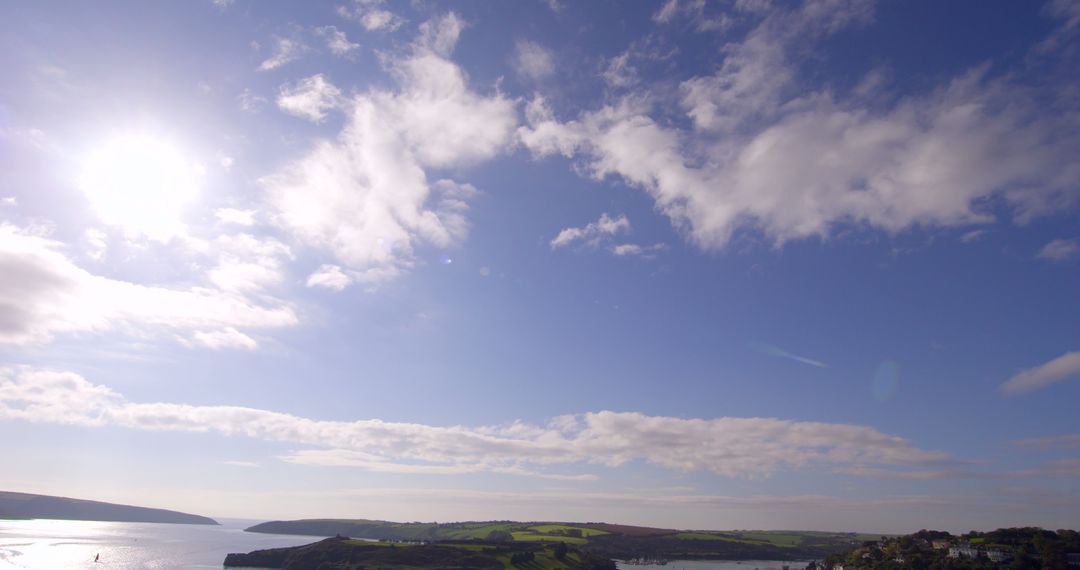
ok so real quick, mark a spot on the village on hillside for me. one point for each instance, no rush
(1016, 548)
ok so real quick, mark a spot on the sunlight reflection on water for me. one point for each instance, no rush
(51, 544)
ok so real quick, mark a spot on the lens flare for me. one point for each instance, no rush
(886, 377)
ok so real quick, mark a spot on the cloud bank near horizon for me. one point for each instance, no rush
(725, 446)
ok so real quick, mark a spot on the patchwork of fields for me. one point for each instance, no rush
(613, 541)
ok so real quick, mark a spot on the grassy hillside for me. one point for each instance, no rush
(612, 541)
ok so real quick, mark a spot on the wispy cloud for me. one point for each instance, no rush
(1067, 441)
(250, 102)
(533, 60)
(972, 236)
(591, 234)
(1052, 372)
(286, 50)
(725, 446)
(1061, 250)
(772, 350)
(310, 98)
(371, 14)
(336, 41)
(635, 250)
(234, 463)
(227, 337)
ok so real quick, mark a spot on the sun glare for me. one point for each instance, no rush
(140, 183)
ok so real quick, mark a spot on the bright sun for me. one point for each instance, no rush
(140, 183)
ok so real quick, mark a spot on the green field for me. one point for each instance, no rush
(527, 536)
(562, 529)
(729, 537)
(603, 539)
(779, 538)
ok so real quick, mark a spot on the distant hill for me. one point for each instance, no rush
(27, 506)
(622, 542)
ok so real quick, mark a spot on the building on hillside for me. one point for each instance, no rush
(963, 551)
(996, 555)
(1074, 558)
(940, 544)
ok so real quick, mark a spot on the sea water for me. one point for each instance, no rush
(43, 544)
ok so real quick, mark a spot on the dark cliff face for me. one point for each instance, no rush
(28, 506)
(343, 554)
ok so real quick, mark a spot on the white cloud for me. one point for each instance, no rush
(696, 12)
(336, 41)
(776, 351)
(620, 72)
(235, 216)
(329, 277)
(1061, 250)
(227, 337)
(766, 154)
(627, 249)
(97, 244)
(666, 12)
(286, 50)
(247, 264)
(44, 294)
(235, 463)
(533, 60)
(725, 446)
(374, 463)
(310, 98)
(972, 236)
(1041, 376)
(1068, 14)
(9, 201)
(365, 196)
(372, 15)
(636, 250)
(592, 233)
(250, 102)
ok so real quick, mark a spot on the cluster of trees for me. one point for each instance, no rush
(500, 536)
(560, 551)
(522, 557)
(1027, 548)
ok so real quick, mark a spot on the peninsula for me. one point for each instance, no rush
(29, 506)
(621, 542)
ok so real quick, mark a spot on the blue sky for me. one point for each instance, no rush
(733, 264)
